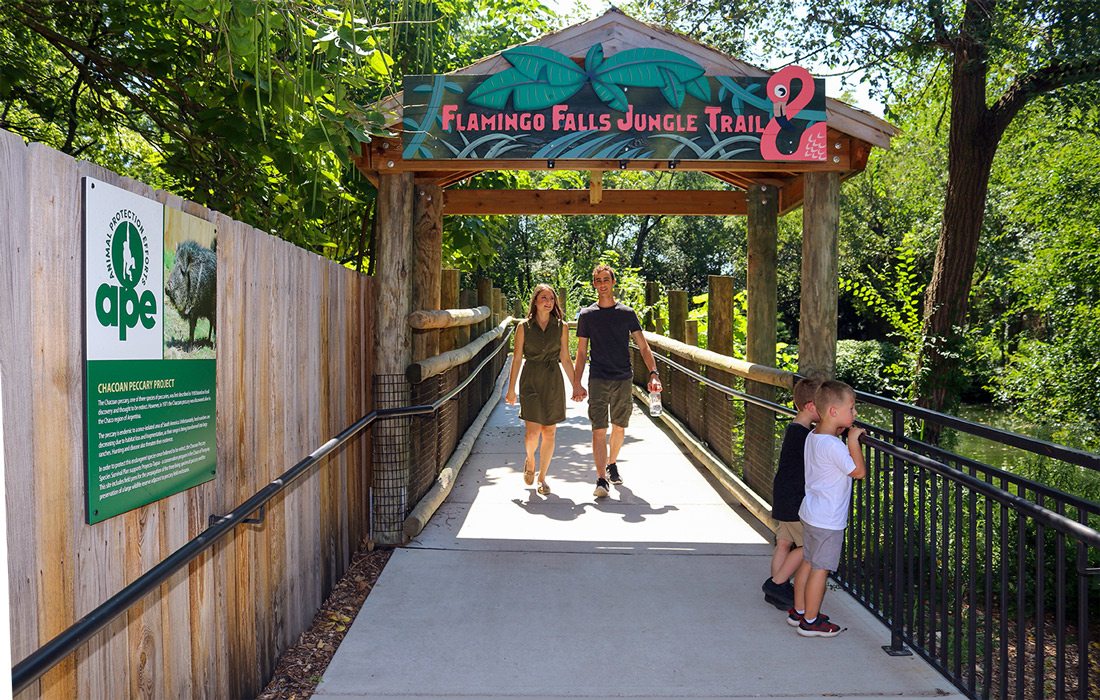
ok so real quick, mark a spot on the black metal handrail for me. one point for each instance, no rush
(50, 654)
(919, 528)
(1047, 517)
(1023, 442)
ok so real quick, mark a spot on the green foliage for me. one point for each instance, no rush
(865, 365)
(253, 108)
(896, 300)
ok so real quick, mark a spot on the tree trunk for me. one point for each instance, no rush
(973, 141)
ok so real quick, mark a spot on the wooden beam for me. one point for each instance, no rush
(791, 194)
(384, 155)
(595, 188)
(731, 178)
(619, 202)
(443, 178)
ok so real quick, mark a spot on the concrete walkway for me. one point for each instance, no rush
(652, 592)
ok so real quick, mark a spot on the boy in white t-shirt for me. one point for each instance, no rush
(830, 467)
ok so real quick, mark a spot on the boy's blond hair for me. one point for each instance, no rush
(832, 393)
(804, 391)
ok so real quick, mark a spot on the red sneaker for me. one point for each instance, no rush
(821, 627)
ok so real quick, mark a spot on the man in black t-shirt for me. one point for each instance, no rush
(609, 326)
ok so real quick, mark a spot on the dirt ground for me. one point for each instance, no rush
(299, 669)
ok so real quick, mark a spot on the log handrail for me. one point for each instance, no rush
(447, 318)
(438, 364)
(747, 370)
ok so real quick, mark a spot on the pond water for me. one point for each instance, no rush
(972, 446)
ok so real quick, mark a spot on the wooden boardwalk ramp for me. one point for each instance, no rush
(652, 592)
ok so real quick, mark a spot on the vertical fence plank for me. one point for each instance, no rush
(15, 364)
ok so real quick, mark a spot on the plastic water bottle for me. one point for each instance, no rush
(655, 408)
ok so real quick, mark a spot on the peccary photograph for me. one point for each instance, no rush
(190, 289)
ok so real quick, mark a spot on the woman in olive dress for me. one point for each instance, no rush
(542, 341)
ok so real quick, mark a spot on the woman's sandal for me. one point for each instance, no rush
(528, 474)
(544, 488)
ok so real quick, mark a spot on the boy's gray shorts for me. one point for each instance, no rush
(821, 547)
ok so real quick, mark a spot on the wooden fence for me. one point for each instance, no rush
(294, 349)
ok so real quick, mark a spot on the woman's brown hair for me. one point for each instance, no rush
(555, 312)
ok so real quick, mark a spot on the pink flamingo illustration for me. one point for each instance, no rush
(813, 145)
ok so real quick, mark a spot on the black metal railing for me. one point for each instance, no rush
(53, 652)
(986, 574)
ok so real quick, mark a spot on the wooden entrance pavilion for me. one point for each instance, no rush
(415, 194)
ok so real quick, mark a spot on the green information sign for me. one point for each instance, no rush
(636, 104)
(149, 372)
(151, 431)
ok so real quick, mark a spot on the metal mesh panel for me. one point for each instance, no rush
(390, 438)
(424, 462)
(409, 452)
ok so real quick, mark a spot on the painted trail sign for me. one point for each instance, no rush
(639, 103)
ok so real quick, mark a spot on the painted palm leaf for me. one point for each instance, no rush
(540, 63)
(645, 68)
(611, 94)
(594, 58)
(527, 93)
(672, 89)
(699, 88)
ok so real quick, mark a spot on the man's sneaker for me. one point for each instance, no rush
(781, 595)
(821, 627)
(787, 590)
(601, 488)
(613, 474)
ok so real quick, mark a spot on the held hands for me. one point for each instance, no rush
(510, 397)
(579, 393)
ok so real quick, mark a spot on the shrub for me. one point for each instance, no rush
(863, 363)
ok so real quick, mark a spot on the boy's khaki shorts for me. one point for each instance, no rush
(822, 548)
(609, 395)
(792, 532)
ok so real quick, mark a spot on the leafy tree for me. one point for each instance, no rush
(998, 55)
(251, 108)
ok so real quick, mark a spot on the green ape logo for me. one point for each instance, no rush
(128, 262)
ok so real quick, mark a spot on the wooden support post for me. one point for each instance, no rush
(448, 299)
(467, 299)
(691, 333)
(763, 227)
(393, 352)
(654, 322)
(484, 298)
(720, 315)
(719, 414)
(427, 275)
(652, 296)
(497, 306)
(818, 307)
(677, 314)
